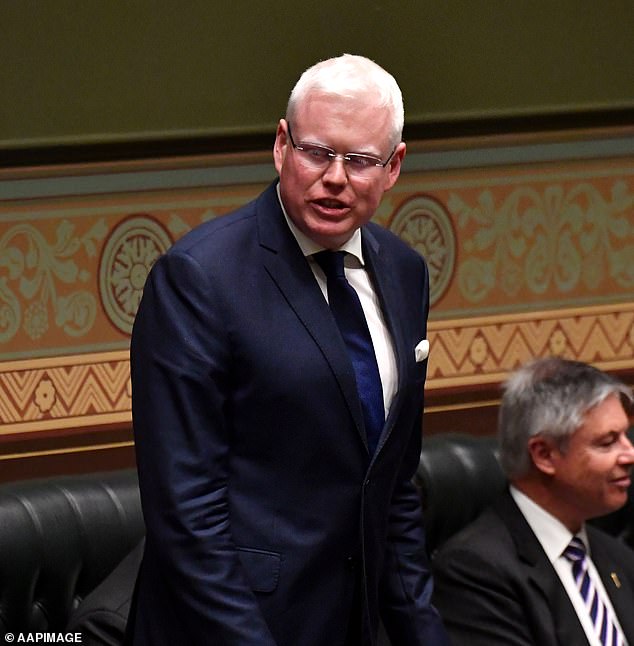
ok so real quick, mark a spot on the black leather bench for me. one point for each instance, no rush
(60, 537)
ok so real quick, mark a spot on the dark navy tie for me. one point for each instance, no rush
(600, 615)
(348, 313)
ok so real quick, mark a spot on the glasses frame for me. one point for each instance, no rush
(333, 155)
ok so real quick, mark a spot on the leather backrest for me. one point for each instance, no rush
(458, 475)
(58, 539)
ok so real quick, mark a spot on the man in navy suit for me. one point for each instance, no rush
(273, 517)
(530, 571)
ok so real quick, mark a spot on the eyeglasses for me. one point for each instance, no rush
(319, 157)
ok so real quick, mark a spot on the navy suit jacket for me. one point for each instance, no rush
(261, 501)
(495, 586)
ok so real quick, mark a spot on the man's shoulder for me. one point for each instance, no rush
(483, 553)
(230, 228)
(500, 534)
(608, 544)
(213, 230)
(486, 534)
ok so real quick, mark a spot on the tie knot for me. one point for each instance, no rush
(331, 262)
(575, 550)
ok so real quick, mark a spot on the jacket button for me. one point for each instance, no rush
(351, 563)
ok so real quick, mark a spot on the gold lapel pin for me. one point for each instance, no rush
(615, 578)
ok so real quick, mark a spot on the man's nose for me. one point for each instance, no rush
(627, 455)
(335, 172)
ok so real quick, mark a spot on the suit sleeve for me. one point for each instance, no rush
(477, 600)
(181, 374)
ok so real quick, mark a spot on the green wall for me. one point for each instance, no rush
(94, 71)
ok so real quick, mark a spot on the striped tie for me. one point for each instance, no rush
(600, 615)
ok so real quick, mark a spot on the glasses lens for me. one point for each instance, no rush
(315, 155)
(319, 157)
(362, 163)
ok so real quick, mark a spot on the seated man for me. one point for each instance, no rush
(530, 570)
(102, 616)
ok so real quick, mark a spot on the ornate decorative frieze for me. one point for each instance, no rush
(466, 352)
(64, 392)
(525, 259)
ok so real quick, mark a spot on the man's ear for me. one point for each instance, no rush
(542, 451)
(280, 145)
(394, 166)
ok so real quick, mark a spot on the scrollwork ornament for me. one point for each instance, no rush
(9, 312)
(562, 239)
(36, 271)
(75, 312)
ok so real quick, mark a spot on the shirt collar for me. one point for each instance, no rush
(553, 535)
(309, 247)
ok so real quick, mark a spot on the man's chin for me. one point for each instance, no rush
(330, 236)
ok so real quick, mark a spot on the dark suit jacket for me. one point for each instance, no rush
(261, 501)
(494, 584)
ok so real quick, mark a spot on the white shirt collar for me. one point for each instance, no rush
(553, 535)
(309, 247)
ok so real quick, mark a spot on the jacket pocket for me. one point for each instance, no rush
(262, 568)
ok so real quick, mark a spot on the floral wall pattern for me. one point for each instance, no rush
(34, 290)
(526, 258)
(563, 239)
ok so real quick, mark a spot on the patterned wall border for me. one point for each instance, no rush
(83, 388)
(475, 351)
(65, 392)
(94, 390)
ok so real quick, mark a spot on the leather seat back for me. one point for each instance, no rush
(58, 539)
(458, 475)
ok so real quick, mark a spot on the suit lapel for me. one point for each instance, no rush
(285, 263)
(541, 574)
(616, 584)
(384, 282)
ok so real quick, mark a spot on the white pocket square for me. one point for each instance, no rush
(421, 351)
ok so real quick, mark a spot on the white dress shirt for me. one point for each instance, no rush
(554, 538)
(357, 276)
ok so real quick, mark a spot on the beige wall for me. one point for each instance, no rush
(527, 226)
(529, 239)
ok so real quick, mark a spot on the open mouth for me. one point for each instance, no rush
(330, 206)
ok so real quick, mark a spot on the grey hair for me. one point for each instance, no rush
(550, 397)
(350, 75)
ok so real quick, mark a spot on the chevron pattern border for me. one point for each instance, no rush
(64, 392)
(79, 392)
(529, 254)
(483, 350)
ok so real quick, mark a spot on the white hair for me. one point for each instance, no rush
(350, 75)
